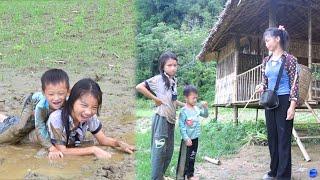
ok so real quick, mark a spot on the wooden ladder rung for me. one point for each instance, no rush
(303, 110)
(310, 137)
(313, 102)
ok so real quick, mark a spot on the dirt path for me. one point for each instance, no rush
(253, 161)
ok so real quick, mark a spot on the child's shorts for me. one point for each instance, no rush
(8, 122)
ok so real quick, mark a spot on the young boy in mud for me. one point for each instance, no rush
(36, 109)
(189, 125)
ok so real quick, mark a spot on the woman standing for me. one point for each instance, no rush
(279, 120)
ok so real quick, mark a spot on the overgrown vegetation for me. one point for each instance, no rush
(179, 26)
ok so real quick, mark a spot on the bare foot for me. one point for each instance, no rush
(2, 117)
(193, 178)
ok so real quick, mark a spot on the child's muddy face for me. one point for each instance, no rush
(192, 98)
(56, 94)
(171, 67)
(84, 108)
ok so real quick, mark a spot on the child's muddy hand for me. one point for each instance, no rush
(158, 102)
(52, 148)
(204, 104)
(53, 155)
(100, 153)
(126, 147)
(188, 142)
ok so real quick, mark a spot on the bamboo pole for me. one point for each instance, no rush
(313, 112)
(303, 150)
(211, 160)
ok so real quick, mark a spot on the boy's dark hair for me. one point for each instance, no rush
(189, 89)
(54, 76)
(162, 62)
(282, 34)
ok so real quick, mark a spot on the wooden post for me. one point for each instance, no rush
(216, 111)
(235, 115)
(310, 46)
(236, 64)
(257, 114)
(272, 13)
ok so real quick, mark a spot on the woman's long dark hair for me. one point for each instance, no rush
(81, 88)
(162, 62)
(281, 33)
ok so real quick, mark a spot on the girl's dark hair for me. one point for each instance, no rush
(81, 88)
(162, 62)
(189, 89)
(282, 34)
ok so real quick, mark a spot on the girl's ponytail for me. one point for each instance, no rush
(278, 32)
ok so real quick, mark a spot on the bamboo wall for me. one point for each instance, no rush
(249, 75)
(225, 80)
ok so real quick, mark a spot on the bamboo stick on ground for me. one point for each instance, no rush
(211, 160)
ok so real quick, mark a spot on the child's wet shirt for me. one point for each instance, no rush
(77, 134)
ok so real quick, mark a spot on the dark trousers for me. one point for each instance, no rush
(187, 158)
(279, 139)
(162, 144)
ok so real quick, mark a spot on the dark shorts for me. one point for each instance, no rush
(8, 122)
(14, 128)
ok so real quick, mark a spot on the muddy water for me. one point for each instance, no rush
(21, 161)
(116, 115)
(17, 162)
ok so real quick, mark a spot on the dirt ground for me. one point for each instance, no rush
(252, 162)
(117, 115)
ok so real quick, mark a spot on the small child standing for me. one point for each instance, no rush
(189, 124)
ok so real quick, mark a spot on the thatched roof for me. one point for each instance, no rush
(251, 17)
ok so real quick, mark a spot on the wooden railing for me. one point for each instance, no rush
(246, 84)
(315, 84)
(247, 81)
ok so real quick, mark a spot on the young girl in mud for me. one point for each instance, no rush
(162, 89)
(68, 126)
(279, 120)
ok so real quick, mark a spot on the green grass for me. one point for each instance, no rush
(144, 108)
(217, 139)
(38, 33)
